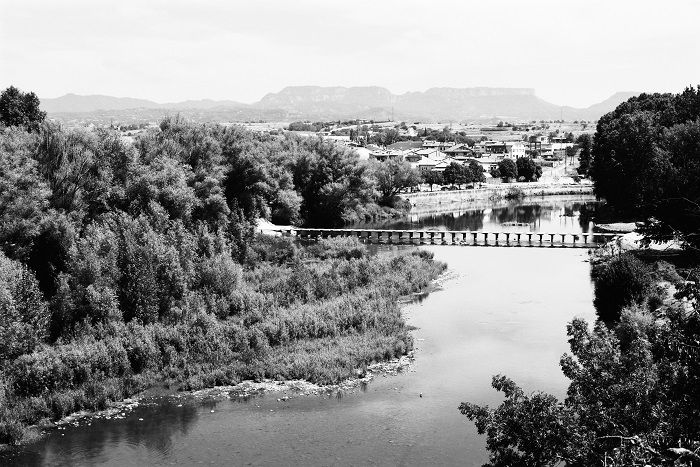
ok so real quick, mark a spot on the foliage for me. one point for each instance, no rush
(646, 160)
(392, 177)
(527, 169)
(24, 315)
(319, 319)
(632, 397)
(455, 174)
(20, 109)
(476, 172)
(124, 265)
(619, 282)
(508, 169)
(432, 177)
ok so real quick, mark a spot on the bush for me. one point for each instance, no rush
(340, 247)
(618, 283)
(514, 193)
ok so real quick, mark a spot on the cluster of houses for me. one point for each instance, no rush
(429, 155)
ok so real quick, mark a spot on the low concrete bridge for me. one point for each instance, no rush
(458, 237)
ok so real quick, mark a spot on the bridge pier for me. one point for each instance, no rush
(452, 237)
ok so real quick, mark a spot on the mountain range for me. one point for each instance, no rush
(334, 103)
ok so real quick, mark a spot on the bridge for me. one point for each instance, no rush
(458, 237)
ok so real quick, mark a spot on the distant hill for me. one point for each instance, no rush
(370, 102)
(73, 103)
(76, 103)
(609, 104)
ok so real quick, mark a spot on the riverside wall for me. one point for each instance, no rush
(493, 192)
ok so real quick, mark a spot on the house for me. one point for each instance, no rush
(458, 151)
(425, 164)
(431, 153)
(406, 145)
(382, 155)
(442, 165)
(509, 149)
(439, 145)
(486, 162)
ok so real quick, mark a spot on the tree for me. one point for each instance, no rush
(23, 195)
(393, 176)
(644, 162)
(24, 315)
(584, 142)
(20, 109)
(527, 169)
(632, 399)
(476, 172)
(455, 174)
(619, 282)
(508, 169)
(432, 177)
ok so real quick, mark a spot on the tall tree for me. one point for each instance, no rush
(528, 169)
(584, 142)
(393, 176)
(508, 169)
(20, 109)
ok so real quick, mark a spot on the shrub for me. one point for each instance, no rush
(340, 247)
(618, 283)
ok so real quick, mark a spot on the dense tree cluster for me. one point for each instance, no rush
(646, 160)
(460, 174)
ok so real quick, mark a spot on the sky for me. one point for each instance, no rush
(571, 52)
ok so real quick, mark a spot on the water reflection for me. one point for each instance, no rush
(152, 428)
(567, 215)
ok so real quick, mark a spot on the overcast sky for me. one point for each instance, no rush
(571, 52)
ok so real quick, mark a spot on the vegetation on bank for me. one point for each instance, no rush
(634, 394)
(321, 313)
(127, 264)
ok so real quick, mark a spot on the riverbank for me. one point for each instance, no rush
(423, 200)
(322, 313)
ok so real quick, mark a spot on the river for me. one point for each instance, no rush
(497, 310)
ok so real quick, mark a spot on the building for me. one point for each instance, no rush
(439, 145)
(406, 145)
(430, 153)
(459, 151)
(382, 155)
(502, 149)
(425, 164)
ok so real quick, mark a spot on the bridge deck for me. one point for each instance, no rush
(459, 237)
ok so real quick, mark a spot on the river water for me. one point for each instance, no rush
(497, 310)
